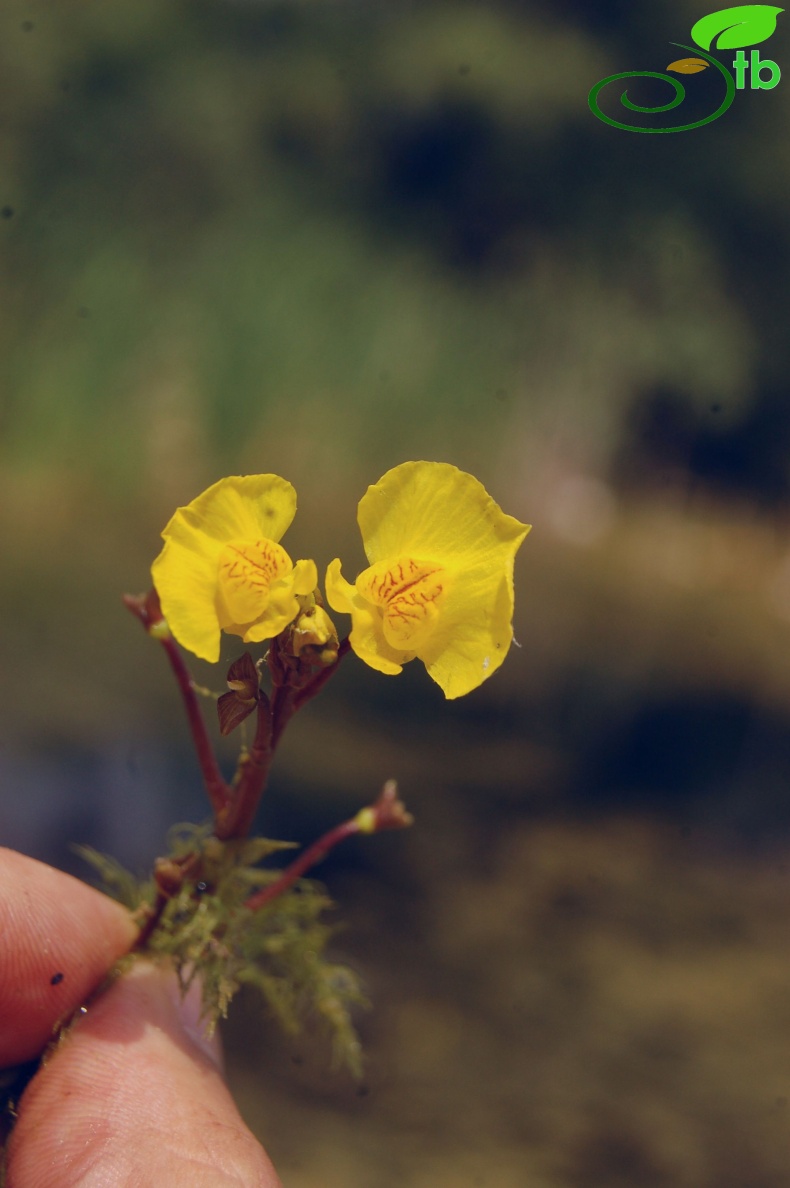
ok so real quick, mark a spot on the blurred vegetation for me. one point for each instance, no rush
(319, 240)
(208, 933)
(237, 222)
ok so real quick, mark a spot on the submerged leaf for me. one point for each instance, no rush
(116, 880)
(207, 932)
(746, 24)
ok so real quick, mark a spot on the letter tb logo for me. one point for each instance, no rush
(755, 66)
(730, 28)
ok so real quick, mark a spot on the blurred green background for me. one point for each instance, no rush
(321, 239)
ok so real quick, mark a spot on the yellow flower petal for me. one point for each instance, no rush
(410, 594)
(222, 567)
(186, 583)
(367, 633)
(245, 572)
(369, 643)
(339, 592)
(432, 510)
(467, 650)
(305, 577)
(440, 583)
(240, 507)
(283, 605)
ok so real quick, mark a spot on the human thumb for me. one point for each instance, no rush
(134, 1094)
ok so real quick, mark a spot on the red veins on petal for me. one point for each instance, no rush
(408, 592)
(246, 572)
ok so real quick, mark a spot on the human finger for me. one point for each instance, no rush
(134, 1095)
(58, 939)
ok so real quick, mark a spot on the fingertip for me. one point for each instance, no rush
(58, 939)
(131, 1092)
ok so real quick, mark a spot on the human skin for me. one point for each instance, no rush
(133, 1095)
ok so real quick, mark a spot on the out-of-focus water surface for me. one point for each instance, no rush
(321, 240)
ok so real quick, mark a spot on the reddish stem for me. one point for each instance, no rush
(253, 772)
(219, 793)
(282, 711)
(169, 884)
(273, 717)
(320, 679)
(308, 858)
(147, 610)
(234, 806)
(287, 698)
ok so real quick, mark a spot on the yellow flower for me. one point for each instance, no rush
(222, 568)
(440, 582)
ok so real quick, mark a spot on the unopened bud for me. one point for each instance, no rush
(168, 876)
(147, 608)
(311, 639)
(388, 812)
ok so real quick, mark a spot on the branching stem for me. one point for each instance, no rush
(234, 805)
(309, 857)
(273, 716)
(250, 782)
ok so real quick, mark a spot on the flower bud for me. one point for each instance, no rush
(388, 812)
(312, 637)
